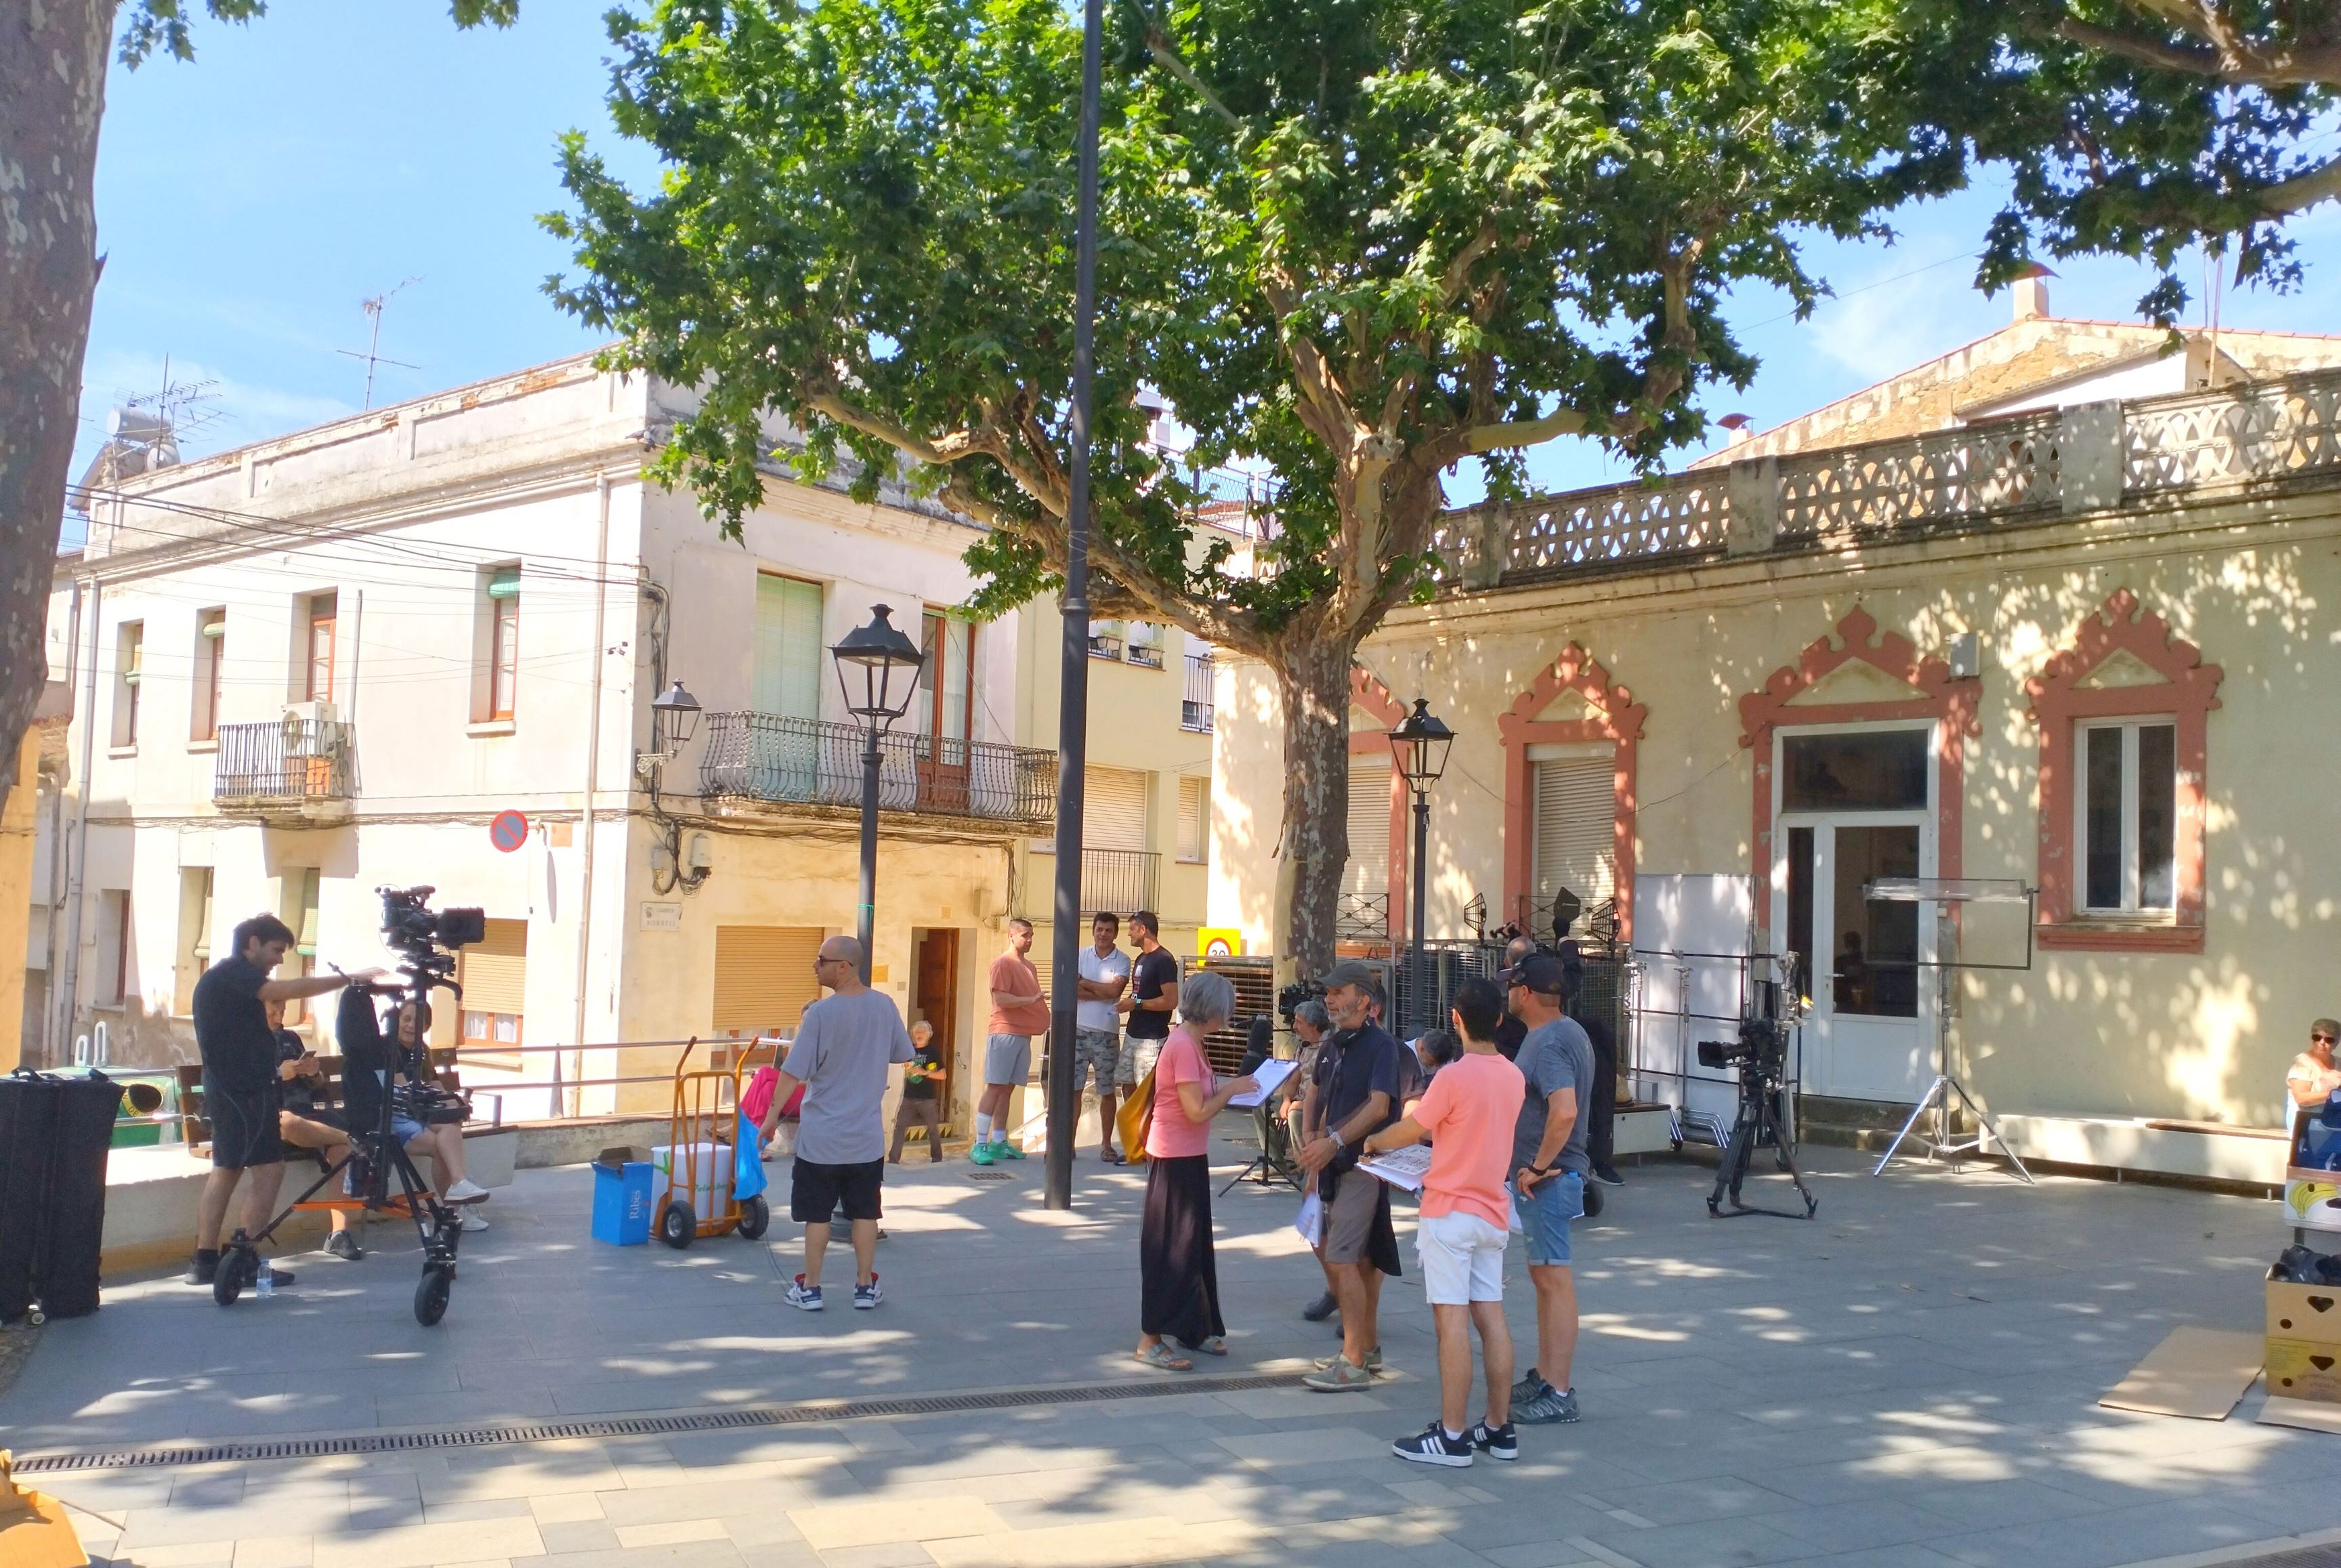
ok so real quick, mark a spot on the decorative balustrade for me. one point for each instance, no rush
(762, 757)
(296, 765)
(2014, 472)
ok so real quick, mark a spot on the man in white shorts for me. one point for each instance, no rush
(1469, 1112)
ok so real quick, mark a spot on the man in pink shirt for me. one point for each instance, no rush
(1018, 1012)
(1467, 1112)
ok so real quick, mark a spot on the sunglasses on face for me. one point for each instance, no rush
(2320, 1039)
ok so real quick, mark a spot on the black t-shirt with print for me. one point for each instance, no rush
(1149, 973)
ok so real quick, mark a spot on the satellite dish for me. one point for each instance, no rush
(1566, 908)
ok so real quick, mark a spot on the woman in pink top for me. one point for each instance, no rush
(1178, 1295)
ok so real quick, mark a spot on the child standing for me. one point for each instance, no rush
(921, 1106)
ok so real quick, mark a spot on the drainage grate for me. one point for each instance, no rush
(988, 1175)
(804, 1412)
(2300, 1557)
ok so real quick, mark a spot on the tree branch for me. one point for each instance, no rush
(1476, 440)
(2301, 191)
(2238, 64)
(1166, 54)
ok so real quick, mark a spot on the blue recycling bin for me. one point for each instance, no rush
(622, 1204)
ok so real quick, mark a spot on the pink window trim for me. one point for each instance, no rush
(1949, 701)
(1370, 694)
(2189, 692)
(1617, 718)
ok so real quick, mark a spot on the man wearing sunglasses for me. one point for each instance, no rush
(2314, 1074)
(843, 1049)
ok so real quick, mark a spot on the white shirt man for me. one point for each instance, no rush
(1096, 1026)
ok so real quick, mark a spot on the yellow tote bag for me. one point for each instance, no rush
(1134, 1118)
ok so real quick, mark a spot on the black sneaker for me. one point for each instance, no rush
(1550, 1407)
(1323, 1307)
(1494, 1442)
(1607, 1175)
(203, 1269)
(1526, 1388)
(344, 1245)
(1431, 1446)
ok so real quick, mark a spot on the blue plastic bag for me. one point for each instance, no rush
(747, 1164)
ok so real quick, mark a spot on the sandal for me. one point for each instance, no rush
(1159, 1356)
(1215, 1345)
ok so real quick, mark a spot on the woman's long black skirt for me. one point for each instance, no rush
(1178, 1279)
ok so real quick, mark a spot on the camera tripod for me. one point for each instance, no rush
(1759, 1119)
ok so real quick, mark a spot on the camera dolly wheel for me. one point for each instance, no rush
(239, 1267)
(755, 1215)
(430, 1295)
(677, 1226)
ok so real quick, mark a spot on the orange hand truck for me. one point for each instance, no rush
(706, 1108)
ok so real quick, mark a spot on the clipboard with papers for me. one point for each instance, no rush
(1408, 1168)
(1271, 1074)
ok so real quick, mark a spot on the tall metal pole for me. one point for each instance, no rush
(1423, 1012)
(1073, 656)
(869, 843)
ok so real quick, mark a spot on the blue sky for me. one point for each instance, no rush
(249, 201)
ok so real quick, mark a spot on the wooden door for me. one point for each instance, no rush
(936, 999)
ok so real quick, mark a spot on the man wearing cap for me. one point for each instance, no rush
(1358, 1086)
(1549, 1165)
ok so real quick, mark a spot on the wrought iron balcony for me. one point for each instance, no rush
(1113, 881)
(762, 757)
(1195, 708)
(297, 767)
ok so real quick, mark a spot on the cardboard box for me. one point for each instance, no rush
(2303, 1311)
(2312, 1198)
(2303, 1369)
(623, 1156)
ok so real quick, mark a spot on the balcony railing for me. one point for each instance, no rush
(296, 764)
(813, 762)
(1113, 881)
(2024, 469)
(1195, 708)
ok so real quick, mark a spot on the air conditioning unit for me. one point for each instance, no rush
(321, 712)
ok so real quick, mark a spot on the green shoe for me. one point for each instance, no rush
(980, 1155)
(1003, 1149)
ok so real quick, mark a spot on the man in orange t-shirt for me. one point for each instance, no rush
(1469, 1112)
(1018, 1012)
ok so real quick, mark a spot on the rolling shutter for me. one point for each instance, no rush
(788, 647)
(763, 977)
(1575, 829)
(1113, 810)
(1194, 795)
(1367, 871)
(493, 971)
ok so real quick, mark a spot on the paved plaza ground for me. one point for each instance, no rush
(1910, 1380)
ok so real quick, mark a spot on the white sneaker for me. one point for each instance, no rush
(467, 1191)
(471, 1220)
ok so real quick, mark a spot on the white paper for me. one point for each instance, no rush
(1310, 1221)
(1513, 1216)
(1405, 1168)
(1271, 1073)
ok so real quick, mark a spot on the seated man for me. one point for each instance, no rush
(303, 1123)
(367, 1069)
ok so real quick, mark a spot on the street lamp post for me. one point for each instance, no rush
(871, 662)
(1418, 746)
(1073, 653)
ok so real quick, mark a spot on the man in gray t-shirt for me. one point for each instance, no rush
(842, 1052)
(1549, 1165)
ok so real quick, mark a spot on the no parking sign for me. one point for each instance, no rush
(508, 831)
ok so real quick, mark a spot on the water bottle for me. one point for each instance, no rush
(266, 1285)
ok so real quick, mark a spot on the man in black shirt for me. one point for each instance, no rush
(1152, 996)
(241, 1095)
(1511, 1031)
(1358, 1075)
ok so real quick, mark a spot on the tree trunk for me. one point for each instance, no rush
(1313, 678)
(51, 95)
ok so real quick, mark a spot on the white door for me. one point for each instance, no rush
(1855, 804)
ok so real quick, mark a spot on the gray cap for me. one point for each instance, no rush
(1350, 972)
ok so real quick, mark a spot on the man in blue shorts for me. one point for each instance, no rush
(1548, 1167)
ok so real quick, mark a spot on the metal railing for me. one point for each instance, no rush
(1195, 706)
(290, 762)
(811, 761)
(1118, 880)
(2020, 471)
(1363, 918)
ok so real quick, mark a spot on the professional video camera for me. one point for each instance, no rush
(1288, 1000)
(1760, 1053)
(410, 926)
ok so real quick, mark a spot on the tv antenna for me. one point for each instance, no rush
(372, 355)
(179, 406)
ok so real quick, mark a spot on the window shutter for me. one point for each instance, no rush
(1575, 829)
(504, 582)
(1114, 808)
(1193, 797)
(307, 945)
(763, 977)
(788, 647)
(493, 971)
(202, 945)
(1367, 871)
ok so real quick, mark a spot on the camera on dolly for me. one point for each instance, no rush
(1759, 1052)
